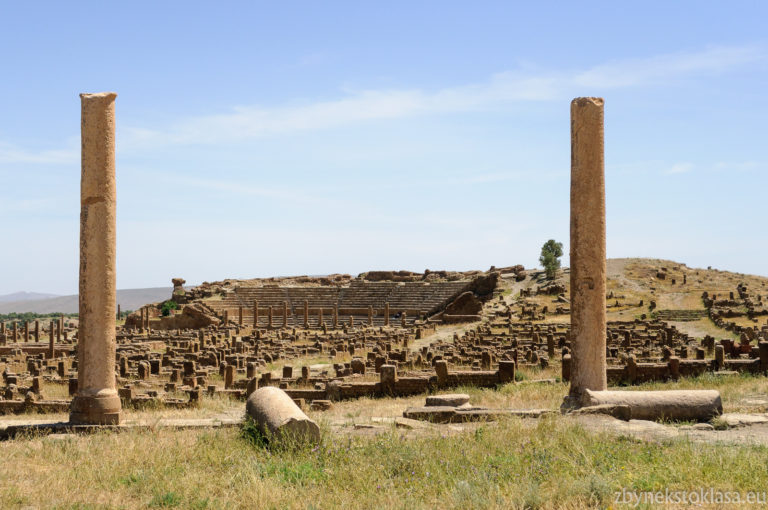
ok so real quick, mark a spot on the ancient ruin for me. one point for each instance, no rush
(588, 269)
(96, 401)
(381, 334)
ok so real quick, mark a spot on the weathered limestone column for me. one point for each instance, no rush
(588, 266)
(240, 316)
(51, 346)
(386, 313)
(97, 401)
(255, 314)
(285, 314)
(306, 314)
(37, 330)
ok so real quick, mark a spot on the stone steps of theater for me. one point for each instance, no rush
(298, 321)
(426, 297)
(680, 315)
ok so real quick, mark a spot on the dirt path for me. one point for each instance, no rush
(444, 333)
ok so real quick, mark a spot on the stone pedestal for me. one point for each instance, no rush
(97, 401)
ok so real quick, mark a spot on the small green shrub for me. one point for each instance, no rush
(167, 307)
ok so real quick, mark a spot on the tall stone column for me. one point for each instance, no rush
(51, 346)
(588, 266)
(97, 402)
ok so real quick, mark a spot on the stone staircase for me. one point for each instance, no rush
(680, 315)
(417, 298)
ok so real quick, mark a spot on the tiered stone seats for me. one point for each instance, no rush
(361, 294)
(416, 298)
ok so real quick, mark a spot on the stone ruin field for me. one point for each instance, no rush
(393, 389)
(430, 389)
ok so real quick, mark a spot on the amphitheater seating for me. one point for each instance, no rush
(416, 298)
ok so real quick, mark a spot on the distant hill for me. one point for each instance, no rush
(25, 296)
(128, 299)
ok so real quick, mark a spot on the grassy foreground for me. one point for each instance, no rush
(554, 464)
(548, 463)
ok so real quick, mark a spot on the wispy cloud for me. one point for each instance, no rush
(241, 188)
(11, 154)
(738, 166)
(680, 168)
(662, 68)
(358, 106)
(27, 205)
(247, 122)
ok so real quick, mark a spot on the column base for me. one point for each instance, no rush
(570, 403)
(95, 410)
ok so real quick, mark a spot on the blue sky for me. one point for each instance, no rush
(260, 139)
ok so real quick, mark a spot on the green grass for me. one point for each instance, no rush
(508, 465)
(548, 463)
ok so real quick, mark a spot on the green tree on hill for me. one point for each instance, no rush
(550, 257)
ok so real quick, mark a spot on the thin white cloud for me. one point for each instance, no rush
(680, 168)
(27, 205)
(238, 187)
(738, 166)
(662, 68)
(670, 168)
(247, 122)
(13, 155)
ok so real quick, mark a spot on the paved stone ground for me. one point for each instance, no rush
(741, 428)
(15, 425)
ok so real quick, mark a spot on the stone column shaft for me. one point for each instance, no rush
(97, 401)
(588, 265)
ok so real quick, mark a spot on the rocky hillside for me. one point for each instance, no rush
(699, 301)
